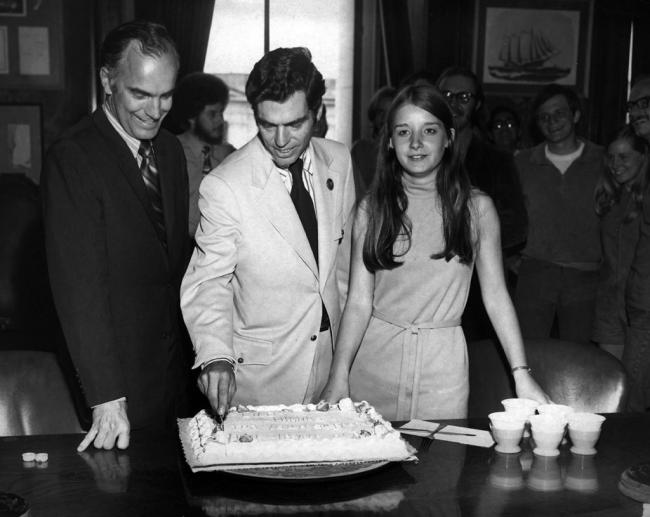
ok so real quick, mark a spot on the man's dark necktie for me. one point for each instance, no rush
(305, 208)
(207, 162)
(150, 175)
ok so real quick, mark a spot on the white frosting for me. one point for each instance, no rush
(345, 431)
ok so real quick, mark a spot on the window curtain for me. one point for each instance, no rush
(609, 62)
(610, 45)
(395, 42)
(641, 57)
(450, 37)
(187, 22)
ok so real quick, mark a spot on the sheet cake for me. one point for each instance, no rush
(254, 436)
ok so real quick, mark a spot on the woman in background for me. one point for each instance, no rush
(618, 203)
(416, 237)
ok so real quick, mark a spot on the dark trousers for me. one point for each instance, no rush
(546, 292)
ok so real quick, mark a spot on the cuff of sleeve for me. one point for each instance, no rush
(229, 360)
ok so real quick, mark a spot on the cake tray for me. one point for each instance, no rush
(307, 471)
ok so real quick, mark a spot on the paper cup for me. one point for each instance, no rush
(507, 430)
(548, 431)
(584, 431)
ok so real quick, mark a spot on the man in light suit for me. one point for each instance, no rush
(116, 239)
(262, 294)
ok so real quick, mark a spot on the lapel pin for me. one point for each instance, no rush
(330, 184)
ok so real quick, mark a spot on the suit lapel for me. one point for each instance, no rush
(275, 204)
(325, 209)
(163, 162)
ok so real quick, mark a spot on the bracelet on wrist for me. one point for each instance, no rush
(521, 367)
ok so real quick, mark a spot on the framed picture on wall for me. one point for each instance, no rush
(21, 140)
(525, 44)
(31, 44)
(13, 7)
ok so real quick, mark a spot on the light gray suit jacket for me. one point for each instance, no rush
(253, 291)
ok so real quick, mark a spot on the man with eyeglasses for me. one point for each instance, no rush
(636, 352)
(638, 107)
(559, 269)
(490, 170)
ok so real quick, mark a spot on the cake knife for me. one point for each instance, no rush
(218, 420)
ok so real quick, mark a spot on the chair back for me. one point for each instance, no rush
(579, 375)
(25, 299)
(34, 398)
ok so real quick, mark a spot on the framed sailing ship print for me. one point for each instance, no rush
(524, 44)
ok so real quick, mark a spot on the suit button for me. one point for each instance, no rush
(240, 360)
(165, 335)
(313, 338)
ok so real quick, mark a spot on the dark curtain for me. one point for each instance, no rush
(609, 65)
(451, 34)
(449, 41)
(641, 57)
(609, 62)
(399, 52)
(356, 93)
(187, 22)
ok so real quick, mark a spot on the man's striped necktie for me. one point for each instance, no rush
(150, 175)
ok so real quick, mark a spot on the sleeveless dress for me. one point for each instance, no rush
(412, 361)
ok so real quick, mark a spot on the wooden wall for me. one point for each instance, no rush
(62, 107)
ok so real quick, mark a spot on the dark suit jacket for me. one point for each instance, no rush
(115, 284)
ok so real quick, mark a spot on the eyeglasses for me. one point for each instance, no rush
(641, 103)
(462, 97)
(556, 116)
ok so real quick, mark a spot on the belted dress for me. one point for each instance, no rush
(412, 361)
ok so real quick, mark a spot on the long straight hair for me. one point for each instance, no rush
(608, 190)
(386, 202)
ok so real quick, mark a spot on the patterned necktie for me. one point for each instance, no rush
(304, 206)
(151, 179)
(207, 162)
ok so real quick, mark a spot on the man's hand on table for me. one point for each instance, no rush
(110, 426)
(217, 382)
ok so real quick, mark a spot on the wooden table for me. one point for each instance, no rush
(151, 478)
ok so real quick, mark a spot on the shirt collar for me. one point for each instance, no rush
(306, 162)
(132, 143)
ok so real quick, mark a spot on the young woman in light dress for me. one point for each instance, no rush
(417, 236)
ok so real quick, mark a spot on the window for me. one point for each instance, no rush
(237, 42)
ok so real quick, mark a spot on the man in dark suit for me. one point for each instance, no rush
(116, 206)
